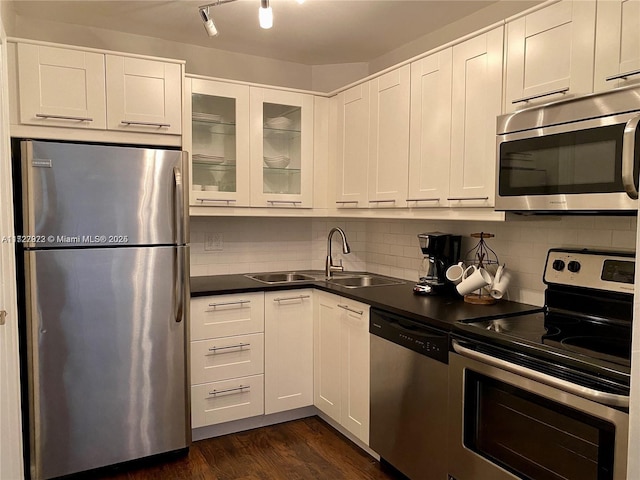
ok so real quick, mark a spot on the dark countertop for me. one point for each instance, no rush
(437, 311)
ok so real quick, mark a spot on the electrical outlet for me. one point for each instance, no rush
(213, 241)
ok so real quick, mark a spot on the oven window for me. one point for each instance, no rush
(583, 161)
(533, 437)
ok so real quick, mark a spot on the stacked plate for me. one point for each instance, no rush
(279, 161)
(206, 117)
(212, 159)
(280, 123)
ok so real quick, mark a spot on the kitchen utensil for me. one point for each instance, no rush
(474, 278)
(455, 272)
(499, 287)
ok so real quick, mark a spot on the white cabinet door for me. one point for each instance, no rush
(355, 361)
(216, 133)
(143, 95)
(353, 118)
(550, 54)
(430, 133)
(281, 148)
(617, 44)
(327, 357)
(476, 101)
(61, 87)
(288, 362)
(389, 140)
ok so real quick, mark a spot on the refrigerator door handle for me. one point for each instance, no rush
(179, 206)
(180, 284)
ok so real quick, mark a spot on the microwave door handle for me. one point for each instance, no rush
(628, 151)
(604, 398)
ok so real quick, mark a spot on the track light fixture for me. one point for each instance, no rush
(265, 15)
(209, 26)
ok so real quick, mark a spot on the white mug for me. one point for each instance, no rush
(454, 273)
(473, 279)
(500, 285)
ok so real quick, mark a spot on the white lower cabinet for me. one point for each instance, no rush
(288, 336)
(227, 358)
(341, 361)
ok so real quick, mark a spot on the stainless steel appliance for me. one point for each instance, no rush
(546, 395)
(409, 378)
(106, 295)
(576, 155)
(440, 250)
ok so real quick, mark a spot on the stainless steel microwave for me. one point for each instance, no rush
(578, 155)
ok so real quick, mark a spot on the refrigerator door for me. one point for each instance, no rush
(96, 195)
(107, 356)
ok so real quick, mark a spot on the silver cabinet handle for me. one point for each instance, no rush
(533, 97)
(346, 307)
(344, 202)
(284, 202)
(64, 117)
(628, 150)
(467, 198)
(585, 392)
(299, 297)
(214, 350)
(215, 200)
(382, 201)
(622, 75)
(146, 124)
(435, 199)
(224, 304)
(239, 389)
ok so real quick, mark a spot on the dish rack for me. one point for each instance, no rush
(482, 256)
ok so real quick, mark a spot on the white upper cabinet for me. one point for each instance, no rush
(353, 117)
(143, 95)
(217, 135)
(281, 148)
(617, 44)
(61, 87)
(476, 102)
(389, 138)
(430, 134)
(550, 54)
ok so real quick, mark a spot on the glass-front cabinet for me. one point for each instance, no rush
(282, 152)
(219, 143)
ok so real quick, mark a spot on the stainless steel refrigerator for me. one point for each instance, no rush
(106, 295)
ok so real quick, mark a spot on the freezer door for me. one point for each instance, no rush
(79, 195)
(107, 356)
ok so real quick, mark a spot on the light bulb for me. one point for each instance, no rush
(300, 1)
(209, 26)
(265, 15)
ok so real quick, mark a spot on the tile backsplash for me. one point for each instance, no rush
(390, 247)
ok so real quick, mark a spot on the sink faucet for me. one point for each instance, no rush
(329, 267)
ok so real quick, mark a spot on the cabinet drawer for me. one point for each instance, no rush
(225, 401)
(227, 357)
(226, 315)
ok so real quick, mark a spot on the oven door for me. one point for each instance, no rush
(589, 165)
(506, 426)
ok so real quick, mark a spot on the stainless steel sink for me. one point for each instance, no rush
(359, 281)
(281, 277)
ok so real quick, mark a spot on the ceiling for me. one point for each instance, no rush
(317, 32)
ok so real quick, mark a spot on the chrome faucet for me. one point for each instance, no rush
(329, 267)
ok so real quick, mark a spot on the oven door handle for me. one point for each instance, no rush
(604, 398)
(628, 151)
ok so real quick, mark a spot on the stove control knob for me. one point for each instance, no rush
(574, 267)
(558, 265)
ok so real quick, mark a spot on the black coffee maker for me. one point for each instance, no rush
(440, 250)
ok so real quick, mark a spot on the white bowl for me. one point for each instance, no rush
(277, 162)
(278, 122)
(211, 188)
(195, 186)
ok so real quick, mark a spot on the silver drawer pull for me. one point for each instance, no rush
(228, 200)
(623, 75)
(146, 124)
(533, 97)
(64, 117)
(357, 312)
(467, 198)
(436, 199)
(344, 202)
(299, 297)
(224, 304)
(239, 389)
(228, 347)
(284, 202)
(382, 201)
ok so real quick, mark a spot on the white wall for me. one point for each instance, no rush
(391, 247)
(326, 78)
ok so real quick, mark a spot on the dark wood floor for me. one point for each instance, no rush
(306, 449)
